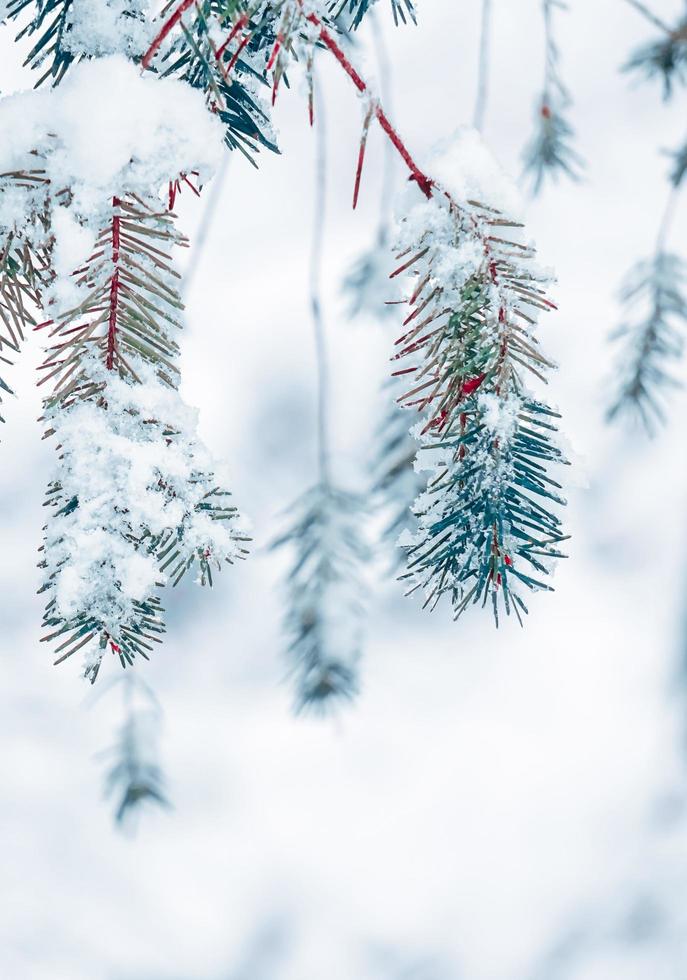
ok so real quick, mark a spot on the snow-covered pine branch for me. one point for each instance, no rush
(133, 493)
(133, 499)
(487, 522)
(65, 31)
(232, 76)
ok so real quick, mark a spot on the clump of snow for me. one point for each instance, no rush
(102, 27)
(464, 166)
(105, 132)
(133, 462)
(499, 414)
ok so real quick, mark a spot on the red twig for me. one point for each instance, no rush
(423, 181)
(361, 156)
(166, 28)
(237, 54)
(275, 51)
(241, 22)
(114, 290)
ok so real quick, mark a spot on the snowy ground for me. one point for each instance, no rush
(507, 806)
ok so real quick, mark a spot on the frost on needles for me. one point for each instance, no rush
(488, 523)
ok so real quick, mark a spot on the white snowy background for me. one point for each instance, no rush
(496, 806)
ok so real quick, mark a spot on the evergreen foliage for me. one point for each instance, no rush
(232, 80)
(24, 265)
(651, 337)
(134, 777)
(664, 59)
(122, 327)
(655, 295)
(487, 521)
(550, 152)
(403, 10)
(326, 595)
(134, 503)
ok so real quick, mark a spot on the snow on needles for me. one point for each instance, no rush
(92, 150)
(131, 471)
(101, 27)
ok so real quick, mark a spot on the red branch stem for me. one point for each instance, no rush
(164, 31)
(423, 181)
(114, 289)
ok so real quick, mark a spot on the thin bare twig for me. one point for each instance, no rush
(483, 71)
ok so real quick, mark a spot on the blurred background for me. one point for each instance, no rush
(505, 805)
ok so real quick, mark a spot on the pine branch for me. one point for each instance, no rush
(324, 587)
(652, 340)
(130, 306)
(24, 261)
(666, 58)
(486, 527)
(135, 777)
(403, 10)
(325, 595)
(550, 152)
(234, 96)
(651, 337)
(134, 501)
(68, 30)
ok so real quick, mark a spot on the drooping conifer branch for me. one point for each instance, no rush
(486, 525)
(550, 153)
(134, 501)
(134, 777)
(484, 530)
(654, 294)
(324, 588)
(665, 58)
